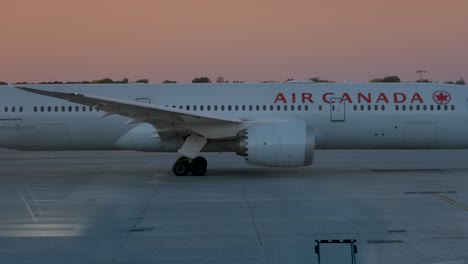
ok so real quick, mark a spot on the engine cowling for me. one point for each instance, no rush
(284, 144)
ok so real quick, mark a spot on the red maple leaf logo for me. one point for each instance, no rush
(441, 97)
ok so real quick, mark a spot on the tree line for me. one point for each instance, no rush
(204, 79)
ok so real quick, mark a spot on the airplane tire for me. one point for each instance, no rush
(198, 166)
(181, 167)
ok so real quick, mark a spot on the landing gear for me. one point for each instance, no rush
(184, 165)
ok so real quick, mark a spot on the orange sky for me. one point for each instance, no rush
(249, 40)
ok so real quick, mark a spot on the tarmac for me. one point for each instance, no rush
(127, 207)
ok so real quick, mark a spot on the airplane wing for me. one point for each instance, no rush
(164, 119)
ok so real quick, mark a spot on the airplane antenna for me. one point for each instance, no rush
(421, 72)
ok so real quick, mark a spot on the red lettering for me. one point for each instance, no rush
(293, 97)
(307, 97)
(324, 98)
(417, 97)
(399, 98)
(346, 97)
(382, 97)
(363, 97)
(280, 97)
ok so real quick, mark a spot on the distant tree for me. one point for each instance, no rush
(124, 80)
(220, 79)
(387, 79)
(142, 81)
(461, 82)
(237, 81)
(289, 80)
(424, 81)
(318, 80)
(54, 82)
(3, 83)
(169, 81)
(270, 81)
(201, 80)
(23, 83)
(105, 80)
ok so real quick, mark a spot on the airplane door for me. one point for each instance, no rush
(337, 110)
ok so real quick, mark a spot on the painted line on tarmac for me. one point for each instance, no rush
(459, 205)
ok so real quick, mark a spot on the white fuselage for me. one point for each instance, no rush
(343, 116)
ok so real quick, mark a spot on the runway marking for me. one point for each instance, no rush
(26, 204)
(459, 205)
(34, 200)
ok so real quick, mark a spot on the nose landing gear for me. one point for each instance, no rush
(184, 165)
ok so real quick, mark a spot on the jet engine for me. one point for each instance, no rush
(284, 144)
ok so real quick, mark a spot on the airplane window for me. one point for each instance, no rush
(236, 107)
(201, 107)
(243, 108)
(21, 108)
(229, 108)
(13, 109)
(271, 107)
(285, 108)
(56, 109)
(299, 108)
(382, 107)
(187, 107)
(376, 107)
(369, 107)
(194, 108)
(216, 108)
(333, 108)
(82, 108)
(362, 107)
(306, 107)
(42, 109)
(320, 107)
(90, 108)
(257, 107)
(77, 108)
(35, 109)
(70, 109)
(432, 107)
(208, 107)
(453, 107)
(424, 107)
(292, 107)
(173, 106)
(355, 107)
(445, 107)
(278, 108)
(181, 107)
(63, 108)
(397, 107)
(411, 107)
(418, 107)
(49, 109)
(264, 108)
(250, 107)
(222, 108)
(438, 107)
(403, 107)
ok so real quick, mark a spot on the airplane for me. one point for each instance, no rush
(270, 125)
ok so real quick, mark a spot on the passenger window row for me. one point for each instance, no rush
(244, 107)
(12, 109)
(405, 108)
(63, 108)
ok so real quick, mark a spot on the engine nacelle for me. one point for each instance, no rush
(283, 144)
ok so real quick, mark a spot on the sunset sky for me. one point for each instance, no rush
(249, 40)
